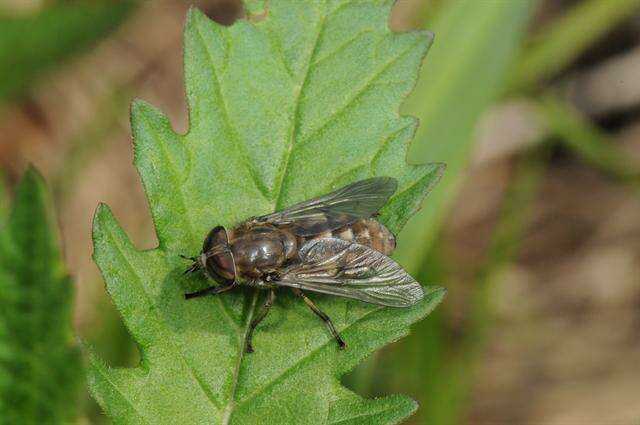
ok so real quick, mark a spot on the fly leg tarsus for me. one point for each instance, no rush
(212, 290)
(268, 303)
(323, 316)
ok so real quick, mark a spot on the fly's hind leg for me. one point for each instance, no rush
(268, 303)
(323, 316)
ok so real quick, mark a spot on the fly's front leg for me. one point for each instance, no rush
(212, 290)
(268, 303)
(323, 316)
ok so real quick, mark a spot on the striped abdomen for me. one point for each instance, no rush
(366, 231)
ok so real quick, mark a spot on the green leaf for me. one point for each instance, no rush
(32, 45)
(39, 365)
(298, 100)
(463, 74)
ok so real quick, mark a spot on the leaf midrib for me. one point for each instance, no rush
(228, 412)
(291, 143)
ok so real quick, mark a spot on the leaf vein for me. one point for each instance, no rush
(362, 415)
(174, 175)
(183, 205)
(161, 319)
(295, 115)
(277, 47)
(386, 143)
(302, 360)
(359, 92)
(341, 47)
(227, 121)
(117, 389)
(236, 372)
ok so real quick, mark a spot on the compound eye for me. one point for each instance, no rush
(219, 264)
(221, 267)
(216, 237)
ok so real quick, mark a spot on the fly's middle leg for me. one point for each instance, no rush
(323, 316)
(268, 303)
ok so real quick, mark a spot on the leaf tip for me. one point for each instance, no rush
(32, 194)
(32, 179)
(440, 168)
(101, 218)
(141, 107)
(194, 17)
(434, 296)
(429, 37)
(255, 10)
(101, 212)
(433, 174)
(141, 110)
(411, 406)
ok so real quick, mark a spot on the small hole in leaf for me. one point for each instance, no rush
(224, 12)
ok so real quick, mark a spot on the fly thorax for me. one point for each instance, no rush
(290, 243)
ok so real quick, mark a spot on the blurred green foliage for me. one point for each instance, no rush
(34, 44)
(448, 382)
(555, 47)
(454, 90)
(40, 367)
(475, 44)
(582, 137)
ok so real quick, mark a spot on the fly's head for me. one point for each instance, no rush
(215, 259)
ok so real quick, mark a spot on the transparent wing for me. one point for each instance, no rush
(337, 267)
(336, 209)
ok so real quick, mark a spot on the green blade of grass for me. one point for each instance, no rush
(584, 139)
(446, 367)
(566, 38)
(474, 46)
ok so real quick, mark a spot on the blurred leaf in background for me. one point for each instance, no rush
(447, 369)
(34, 44)
(475, 44)
(562, 41)
(40, 367)
(281, 108)
(577, 134)
(4, 202)
(459, 82)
